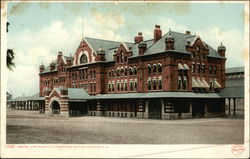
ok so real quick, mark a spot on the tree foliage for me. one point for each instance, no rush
(10, 59)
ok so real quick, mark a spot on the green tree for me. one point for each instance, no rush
(10, 54)
(10, 59)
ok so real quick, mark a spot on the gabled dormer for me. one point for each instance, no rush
(122, 54)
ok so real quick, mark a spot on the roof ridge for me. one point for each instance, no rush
(108, 40)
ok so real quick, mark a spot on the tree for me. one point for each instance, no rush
(10, 54)
(10, 59)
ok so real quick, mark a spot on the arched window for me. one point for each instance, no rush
(125, 71)
(149, 68)
(122, 72)
(154, 68)
(215, 70)
(83, 59)
(159, 68)
(135, 70)
(130, 71)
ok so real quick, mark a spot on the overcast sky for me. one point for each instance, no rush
(38, 31)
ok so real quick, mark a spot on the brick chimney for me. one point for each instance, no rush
(100, 55)
(138, 38)
(70, 60)
(157, 33)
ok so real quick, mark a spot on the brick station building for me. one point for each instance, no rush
(176, 75)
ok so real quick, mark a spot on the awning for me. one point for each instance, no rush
(205, 83)
(216, 84)
(200, 83)
(180, 67)
(186, 67)
(194, 83)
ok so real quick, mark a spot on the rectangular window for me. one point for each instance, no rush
(159, 84)
(199, 68)
(203, 69)
(193, 68)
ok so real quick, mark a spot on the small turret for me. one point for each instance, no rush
(52, 66)
(100, 55)
(221, 50)
(70, 60)
(142, 48)
(41, 68)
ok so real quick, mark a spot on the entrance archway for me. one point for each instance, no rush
(55, 107)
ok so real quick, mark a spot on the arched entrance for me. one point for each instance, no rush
(55, 107)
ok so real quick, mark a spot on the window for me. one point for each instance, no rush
(94, 73)
(109, 87)
(125, 59)
(193, 55)
(199, 68)
(125, 87)
(130, 71)
(135, 85)
(83, 59)
(154, 84)
(135, 70)
(215, 70)
(125, 71)
(117, 59)
(118, 72)
(117, 86)
(154, 68)
(203, 69)
(159, 84)
(193, 68)
(179, 82)
(210, 70)
(122, 72)
(91, 88)
(121, 86)
(109, 73)
(159, 68)
(113, 87)
(149, 68)
(131, 86)
(149, 84)
(94, 87)
(184, 83)
(204, 56)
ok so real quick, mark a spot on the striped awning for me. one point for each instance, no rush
(194, 83)
(205, 83)
(180, 67)
(200, 83)
(186, 67)
(216, 84)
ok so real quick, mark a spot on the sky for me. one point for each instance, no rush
(38, 30)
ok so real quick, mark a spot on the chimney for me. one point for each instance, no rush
(59, 55)
(142, 48)
(188, 32)
(138, 38)
(157, 33)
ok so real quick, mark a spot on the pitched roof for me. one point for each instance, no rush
(179, 45)
(107, 45)
(235, 70)
(232, 92)
(28, 98)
